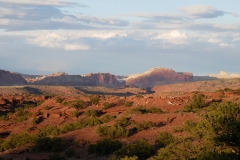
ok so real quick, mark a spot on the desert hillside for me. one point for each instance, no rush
(106, 123)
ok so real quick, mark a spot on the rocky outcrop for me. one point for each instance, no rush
(103, 79)
(158, 76)
(65, 80)
(33, 78)
(7, 79)
(98, 79)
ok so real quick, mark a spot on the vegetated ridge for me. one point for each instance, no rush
(142, 126)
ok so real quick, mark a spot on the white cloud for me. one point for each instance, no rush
(97, 34)
(236, 39)
(51, 40)
(74, 47)
(57, 41)
(223, 45)
(214, 41)
(175, 37)
(4, 22)
(224, 74)
(204, 11)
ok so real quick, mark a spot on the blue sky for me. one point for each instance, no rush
(77, 37)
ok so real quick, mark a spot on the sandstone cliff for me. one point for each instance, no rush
(158, 76)
(7, 78)
(65, 80)
(98, 79)
(103, 79)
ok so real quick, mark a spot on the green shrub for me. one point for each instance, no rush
(144, 110)
(86, 122)
(106, 118)
(114, 131)
(154, 110)
(79, 104)
(48, 144)
(36, 120)
(138, 110)
(17, 140)
(76, 113)
(104, 147)
(91, 113)
(4, 118)
(197, 103)
(30, 105)
(164, 139)
(67, 127)
(228, 90)
(140, 148)
(48, 131)
(21, 114)
(123, 122)
(120, 102)
(39, 103)
(59, 100)
(56, 156)
(107, 105)
(178, 129)
(130, 158)
(70, 152)
(238, 91)
(92, 121)
(139, 96)
(128, 103)
(188, 125)
(47, 108)
(94, 100)
(143, 126)
(183, 149)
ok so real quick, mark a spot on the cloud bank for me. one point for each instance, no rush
(175, 39)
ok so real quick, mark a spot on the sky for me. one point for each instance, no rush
(119, 37)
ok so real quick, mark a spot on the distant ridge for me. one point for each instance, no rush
(152, 77)
(7, 78)
(158, 76)
(91, 79)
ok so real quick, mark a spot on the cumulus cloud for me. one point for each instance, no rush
(57, 41)
(214, 41)
(175, 37)
(74, 47)
(223, 45)
(224, 74)
(204, 11)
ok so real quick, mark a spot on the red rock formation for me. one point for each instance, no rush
(159, 76)
(65, 80)
(98, 79)
(103, 79)
(7, 78)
